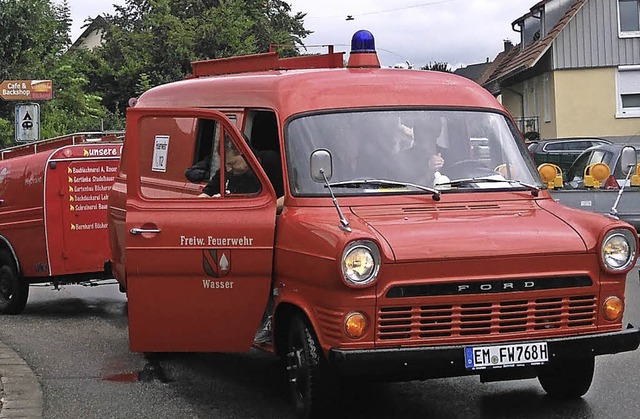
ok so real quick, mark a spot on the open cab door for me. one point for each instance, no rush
(198, 268)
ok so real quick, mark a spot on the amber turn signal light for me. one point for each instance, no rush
(355, 325)
(612, 308)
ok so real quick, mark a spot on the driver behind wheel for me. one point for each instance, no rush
(425, 148)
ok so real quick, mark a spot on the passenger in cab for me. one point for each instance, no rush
(240, 179)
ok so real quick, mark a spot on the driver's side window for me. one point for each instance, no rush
(576, 171)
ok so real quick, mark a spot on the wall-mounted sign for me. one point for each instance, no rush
(26, 90)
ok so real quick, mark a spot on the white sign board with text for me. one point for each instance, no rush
(160, 149)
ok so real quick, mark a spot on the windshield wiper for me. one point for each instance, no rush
(458, 182)
(383, 182)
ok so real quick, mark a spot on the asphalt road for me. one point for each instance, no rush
(75, 341)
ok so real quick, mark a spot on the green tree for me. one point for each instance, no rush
(148, 42)
(274, 24)
(73, 109)
(160, 39)
(437, 66)
(35, 45)
(33, 36)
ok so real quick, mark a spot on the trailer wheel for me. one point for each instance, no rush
(306, 370)
(567, 378)
(14, 291)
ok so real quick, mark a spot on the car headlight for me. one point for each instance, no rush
(618, 250)
(360, 263)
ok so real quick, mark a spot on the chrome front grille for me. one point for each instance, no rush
(407, 323)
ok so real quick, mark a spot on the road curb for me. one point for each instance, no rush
(20, 390)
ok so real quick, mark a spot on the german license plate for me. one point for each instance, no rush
(498, 356)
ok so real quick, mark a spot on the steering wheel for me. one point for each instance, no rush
(468, 168)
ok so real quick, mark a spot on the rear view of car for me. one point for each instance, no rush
(562, 151)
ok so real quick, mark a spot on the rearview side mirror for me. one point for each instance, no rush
(628, 160)
(321, 165)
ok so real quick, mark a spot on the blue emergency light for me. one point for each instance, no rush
(363, 51)
(362, 41)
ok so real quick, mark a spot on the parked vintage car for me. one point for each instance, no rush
(617, 192)
(562, 151)
(610, 154)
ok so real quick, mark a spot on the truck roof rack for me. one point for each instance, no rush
(265, 62)
(56, 142)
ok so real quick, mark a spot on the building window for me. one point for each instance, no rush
(628, 80)
(629, 17)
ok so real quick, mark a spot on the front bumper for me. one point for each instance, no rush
(448, 361)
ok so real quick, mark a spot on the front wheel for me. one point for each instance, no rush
(567, 378)
(14, 291)
(306, 370)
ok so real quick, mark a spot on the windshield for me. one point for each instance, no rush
(435, 149)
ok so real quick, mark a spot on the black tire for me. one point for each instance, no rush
(307, 373)
(14, 290)
(567, 378)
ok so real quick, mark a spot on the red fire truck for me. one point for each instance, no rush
(416, 238)
(53, 213)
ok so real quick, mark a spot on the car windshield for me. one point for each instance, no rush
(404, 151)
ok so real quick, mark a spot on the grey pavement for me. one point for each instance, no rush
(20, 391)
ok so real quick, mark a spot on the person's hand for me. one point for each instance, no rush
(436, 162)
(204, 195)
(279, 204)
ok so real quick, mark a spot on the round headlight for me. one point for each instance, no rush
(360, 263)
(618, 250)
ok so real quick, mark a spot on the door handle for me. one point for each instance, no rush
(136, 230)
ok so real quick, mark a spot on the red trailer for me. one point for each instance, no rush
(53, 218)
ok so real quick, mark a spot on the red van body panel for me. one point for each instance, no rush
(434, 256)
(299, 91)
(204, 282)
